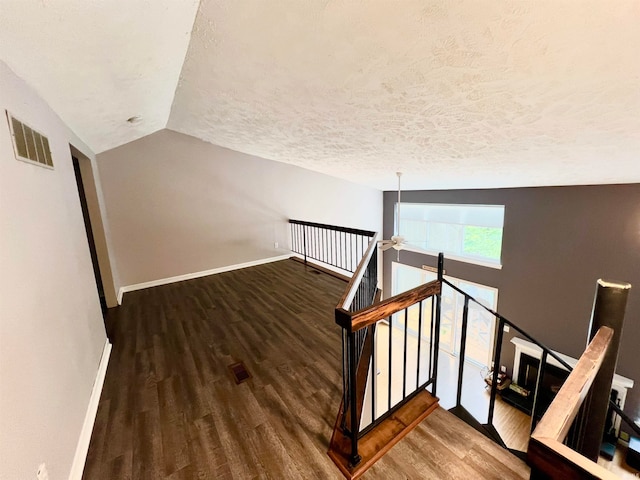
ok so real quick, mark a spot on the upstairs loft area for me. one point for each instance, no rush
(171, 409)
(179, 340)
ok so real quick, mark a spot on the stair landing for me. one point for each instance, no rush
(379, 441)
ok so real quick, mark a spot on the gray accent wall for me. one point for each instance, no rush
(557, 242)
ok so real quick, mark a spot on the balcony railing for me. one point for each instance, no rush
(370, 387)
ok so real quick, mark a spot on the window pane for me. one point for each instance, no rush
(482, 242)
(445, 237)
(471, 232)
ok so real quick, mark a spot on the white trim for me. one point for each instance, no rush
(120, 294)
(82, 448)
(191, 276)
(326, 266)
(450, 256)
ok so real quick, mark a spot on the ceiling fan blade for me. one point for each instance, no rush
(386, 247)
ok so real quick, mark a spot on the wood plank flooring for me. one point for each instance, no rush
(170, 409)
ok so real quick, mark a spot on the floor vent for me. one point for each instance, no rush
(239, 372)
(29, 145)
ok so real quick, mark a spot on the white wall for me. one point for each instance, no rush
(51, 329)
(177, 205)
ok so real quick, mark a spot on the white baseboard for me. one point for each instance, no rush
(82, 447)
(190, 276)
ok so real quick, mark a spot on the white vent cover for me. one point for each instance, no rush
(29, 145)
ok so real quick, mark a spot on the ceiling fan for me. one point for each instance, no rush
(397, 241)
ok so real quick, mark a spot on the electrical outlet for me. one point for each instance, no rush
(624, 436)
(506, 329)
(503, 369)
(275, 244)
(42, 473)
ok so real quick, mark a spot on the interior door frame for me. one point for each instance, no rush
(95, 213)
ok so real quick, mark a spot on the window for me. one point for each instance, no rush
(470, 233)
(481, 324)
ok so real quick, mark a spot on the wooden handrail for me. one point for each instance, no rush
(547, 453)
(354, 321)
(352, 287)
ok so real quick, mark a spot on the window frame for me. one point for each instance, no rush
(481, 261)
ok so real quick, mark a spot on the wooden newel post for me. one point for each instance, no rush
(609, 307)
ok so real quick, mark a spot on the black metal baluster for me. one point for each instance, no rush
(314, 236)
(374, 373)
(463, 347)
(354, 258)
(355, 458)
(304, 235)
(419, 343)
(332, 248)
(496, 370)
(404, 360)
(431, 324)
(345, 385)
(390, 363)
(326, 244)
(351, 252)
(436, 336)
(312, 241)
(536, 396)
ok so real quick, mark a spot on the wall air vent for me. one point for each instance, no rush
(29, 145)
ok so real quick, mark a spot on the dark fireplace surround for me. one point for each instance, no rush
(550, 384)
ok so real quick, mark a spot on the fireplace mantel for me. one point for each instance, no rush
(620, 384)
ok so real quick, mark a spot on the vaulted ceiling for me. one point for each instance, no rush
(455, 93)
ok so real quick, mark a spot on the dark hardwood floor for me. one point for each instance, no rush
(170, 408)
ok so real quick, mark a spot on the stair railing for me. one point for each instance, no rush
(360, 315)
(550, 454)
(502, 322)
(579, 435)
(360, 327)
(339, 247)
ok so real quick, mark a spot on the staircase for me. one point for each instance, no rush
(390, 379)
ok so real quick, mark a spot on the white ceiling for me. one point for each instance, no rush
(99, 62)
(456, 94)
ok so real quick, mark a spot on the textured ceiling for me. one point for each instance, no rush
(467, 93)
(454, 93)
(99, 62)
